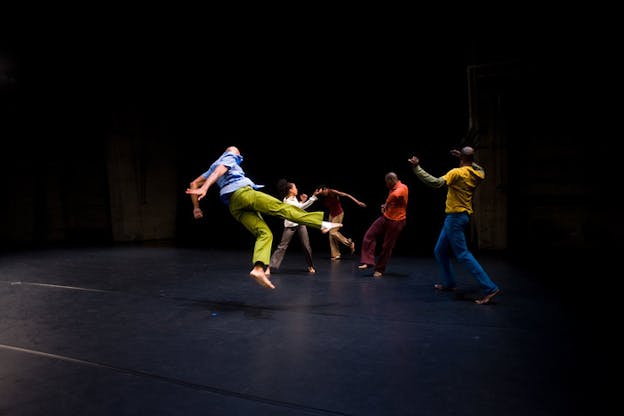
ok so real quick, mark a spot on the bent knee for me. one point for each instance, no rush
(263, 232)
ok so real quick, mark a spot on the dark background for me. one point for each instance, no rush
(102, 129)
(102, 134)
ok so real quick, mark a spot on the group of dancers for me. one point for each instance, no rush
(247, 203)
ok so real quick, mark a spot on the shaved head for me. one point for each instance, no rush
(467, 151)
(467, 154)
(391, 179)
(233, 149)
(391, 176)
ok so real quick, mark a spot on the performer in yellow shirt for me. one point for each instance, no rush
(461, 183)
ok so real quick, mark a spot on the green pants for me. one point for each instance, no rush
(247, 206)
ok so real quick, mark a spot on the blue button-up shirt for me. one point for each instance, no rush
(233, 179)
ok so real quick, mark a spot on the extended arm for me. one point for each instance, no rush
(201, 191)
(351, 197)
(198, 182)
(425, 177)
(307, 202)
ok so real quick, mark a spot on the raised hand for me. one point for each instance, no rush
(414, 160)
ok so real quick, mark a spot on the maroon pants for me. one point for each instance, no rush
(389, 230)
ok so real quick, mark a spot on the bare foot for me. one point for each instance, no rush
(352, 247)
(377, 274)
(258, 274)
(442, 288)
(267, 273)
(311, 270)
(487, 298)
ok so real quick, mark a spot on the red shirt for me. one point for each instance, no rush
(396, 203)
(332, 202)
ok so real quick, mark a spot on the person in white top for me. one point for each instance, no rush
(290, 193)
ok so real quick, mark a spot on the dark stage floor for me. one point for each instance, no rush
(178, 331)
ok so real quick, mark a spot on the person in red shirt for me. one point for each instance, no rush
(388, 226)
(331, 200)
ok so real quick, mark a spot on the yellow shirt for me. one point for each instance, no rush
(461, 183)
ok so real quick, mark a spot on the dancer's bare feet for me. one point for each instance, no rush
(267, 272)
(442, 288)
(352, 246)
(377, 274)
(311, 270)
(487, 298)
(258, 273)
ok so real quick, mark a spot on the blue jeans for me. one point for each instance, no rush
(452, 241)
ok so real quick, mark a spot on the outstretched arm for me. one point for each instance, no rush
(201, 191)
(306, 202)
(351, 197)
(425, 177)
(198, 182)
